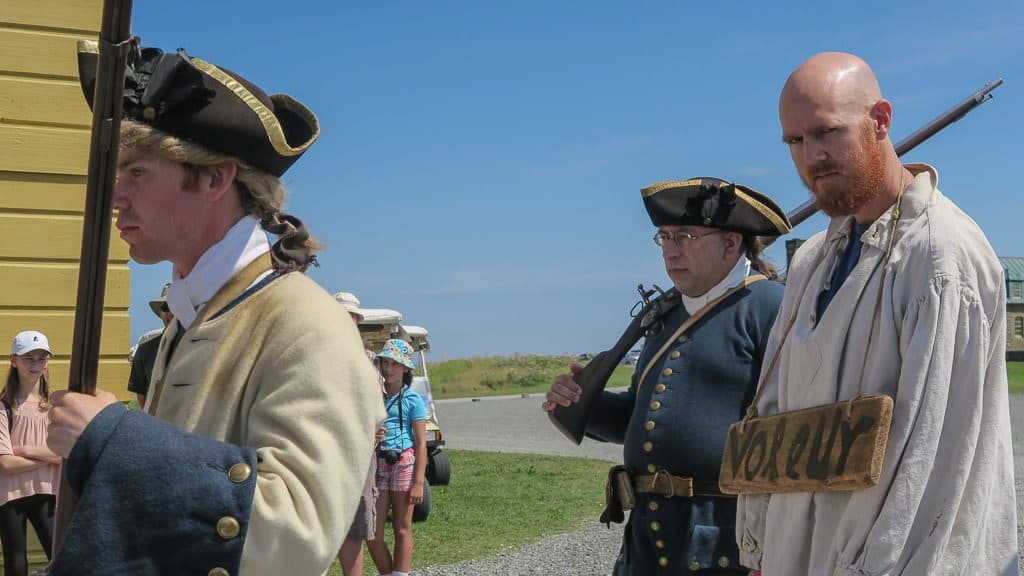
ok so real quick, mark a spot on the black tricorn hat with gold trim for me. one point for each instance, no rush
(214, 107)
(714, 203)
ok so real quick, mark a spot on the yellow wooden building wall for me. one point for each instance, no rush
(44, 152)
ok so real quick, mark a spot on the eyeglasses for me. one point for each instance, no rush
(679, 237)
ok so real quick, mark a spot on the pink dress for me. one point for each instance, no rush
(29, 430)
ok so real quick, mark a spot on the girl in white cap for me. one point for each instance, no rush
(401, 459)
(29, 472)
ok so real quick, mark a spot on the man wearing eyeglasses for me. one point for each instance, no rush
(695, 376)
(146, 348)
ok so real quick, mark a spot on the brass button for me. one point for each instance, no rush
(683, 339)
(662, 561)
(653, 505)
(655, 405)
(218, 572)
(659, 388)
(648, 446)
(149, 113)
(652, 468)
(707, 221)
(675, 354)
(228, 528)
(655, 526)
(666, 372)
(694, 566)
(723, 561)
(649, 425)
(659, 544)
(239, 472)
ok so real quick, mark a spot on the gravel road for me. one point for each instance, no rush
(516, 424)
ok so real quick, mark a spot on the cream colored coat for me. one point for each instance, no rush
(283, 372)
(946, 502)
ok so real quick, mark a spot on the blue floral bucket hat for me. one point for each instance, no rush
(398, 350)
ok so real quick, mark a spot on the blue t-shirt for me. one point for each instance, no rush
(400, 437)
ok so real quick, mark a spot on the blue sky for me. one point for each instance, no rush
(480, 162)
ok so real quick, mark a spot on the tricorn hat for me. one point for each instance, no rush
(714, 203)
(211, 106)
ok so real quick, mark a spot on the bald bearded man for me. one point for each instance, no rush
(902, 295)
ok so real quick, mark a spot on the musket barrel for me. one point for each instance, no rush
(99, 192)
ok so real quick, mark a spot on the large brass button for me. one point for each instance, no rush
(648, 446)
(662, 561)
(655, 405)
(723, 561)
(666, 372)
(659, 388)
(675, 354)
(649, 425)
(694, 566)
(228, 528)
(683, 339)
(659, 544)
(653, 505)
(218, 572)
(652, 468)
(239, 472)
(655, 526)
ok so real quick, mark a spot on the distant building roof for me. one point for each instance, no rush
(1014, 266)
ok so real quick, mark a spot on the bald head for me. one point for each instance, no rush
(836, 125)
(843, 80)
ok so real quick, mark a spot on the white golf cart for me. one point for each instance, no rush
(379, 325)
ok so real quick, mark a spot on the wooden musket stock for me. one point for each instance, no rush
(572, 420)
(99, 192)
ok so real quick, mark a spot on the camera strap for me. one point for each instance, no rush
(401, 423)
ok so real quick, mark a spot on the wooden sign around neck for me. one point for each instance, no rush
(814, 449)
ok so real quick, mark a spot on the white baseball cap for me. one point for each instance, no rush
(28, 341)
(349, 301)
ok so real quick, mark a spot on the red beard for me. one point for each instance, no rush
(855, 188)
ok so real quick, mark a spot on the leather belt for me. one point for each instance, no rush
(664, 484)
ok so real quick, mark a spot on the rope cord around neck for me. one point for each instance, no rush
(401, 423)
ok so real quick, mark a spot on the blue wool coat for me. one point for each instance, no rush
(676, 420)
(173, 515)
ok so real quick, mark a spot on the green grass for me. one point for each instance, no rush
(1015, 373)
(496, 375)
(500, 502)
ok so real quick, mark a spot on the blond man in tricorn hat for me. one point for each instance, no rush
(695, 376)
(261, 415)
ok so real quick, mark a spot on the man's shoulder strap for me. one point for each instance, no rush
(693, 320)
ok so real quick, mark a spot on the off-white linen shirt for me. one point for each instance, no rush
(945, 503)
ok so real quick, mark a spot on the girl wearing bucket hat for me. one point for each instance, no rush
(401, 458)
(29, 471)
